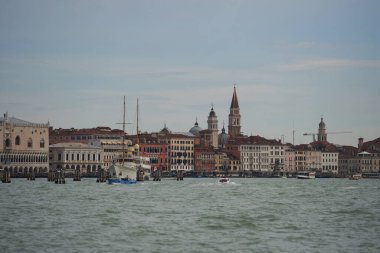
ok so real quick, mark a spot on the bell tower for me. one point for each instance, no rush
(212, 122)
(322, 135)
(234, 128)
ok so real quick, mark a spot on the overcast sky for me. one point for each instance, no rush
(71, 62)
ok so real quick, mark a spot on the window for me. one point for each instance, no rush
(42, 143)
(30, 143)
(17, 141)
(7, 143)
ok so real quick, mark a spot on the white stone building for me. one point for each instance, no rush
(261, 155)
(181, 151)
(329, 162)
(71, 156)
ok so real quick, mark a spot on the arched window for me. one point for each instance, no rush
(7, 143)
(17, 141)
(42, 143)
(30, 143)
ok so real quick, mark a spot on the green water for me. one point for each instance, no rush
(194, 215)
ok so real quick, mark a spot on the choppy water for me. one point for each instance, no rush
(196, 215)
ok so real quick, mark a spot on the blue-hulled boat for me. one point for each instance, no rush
(121, 181)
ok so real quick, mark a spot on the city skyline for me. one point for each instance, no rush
(71, 62)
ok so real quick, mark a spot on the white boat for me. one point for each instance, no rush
(224, 180)
(306, 175)
(125, 169)
(355, 177)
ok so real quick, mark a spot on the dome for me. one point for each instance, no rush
(195, 129)
(165, 130)
(222, 138)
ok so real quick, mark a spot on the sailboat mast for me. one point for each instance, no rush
(137, 121)
(137, 124)
(123, 132)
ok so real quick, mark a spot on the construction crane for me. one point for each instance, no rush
(314, 134)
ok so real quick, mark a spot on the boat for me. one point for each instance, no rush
(355, 176)
(224, 180)
(125, 169)
(306, 175)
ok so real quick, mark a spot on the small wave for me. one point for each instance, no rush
(349, 187)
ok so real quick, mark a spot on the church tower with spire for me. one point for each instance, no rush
(234, 128)
(212, 122)
(322, 135)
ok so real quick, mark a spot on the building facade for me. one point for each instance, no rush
(181, 151)
(84, 135)
(112, 149)
(330, 162)
(154, 146)
(261, 155)
(24, 146)
(71, 156)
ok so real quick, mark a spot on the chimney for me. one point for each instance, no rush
(360, 144)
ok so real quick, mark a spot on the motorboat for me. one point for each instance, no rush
(224, 180)
(355, 176)
(306, 175)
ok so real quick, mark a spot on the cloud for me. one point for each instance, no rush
(330, 63)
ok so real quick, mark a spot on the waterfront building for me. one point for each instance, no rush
(112, 149)
(23, 146)
(257, 154)
(329, 157)
(155, 146)
(234, 118)
(369, 156)
(181, 151)
(302, 158)
(347, 161)
(330, 162)
(71, 156)
(84, 135)
(234, 164)
(290, 160)
(204, 160)
(261, 155)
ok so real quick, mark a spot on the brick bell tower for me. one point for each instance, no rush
(234, 127)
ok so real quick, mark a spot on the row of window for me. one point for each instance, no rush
(182, 148)
(86, 137)
(182, 142)
(8, 142)
(9, 159)
(78, 156)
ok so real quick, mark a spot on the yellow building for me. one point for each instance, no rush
(24, 146)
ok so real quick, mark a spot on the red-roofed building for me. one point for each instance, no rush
(84, 135)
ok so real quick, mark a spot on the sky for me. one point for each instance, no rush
(70, 63)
